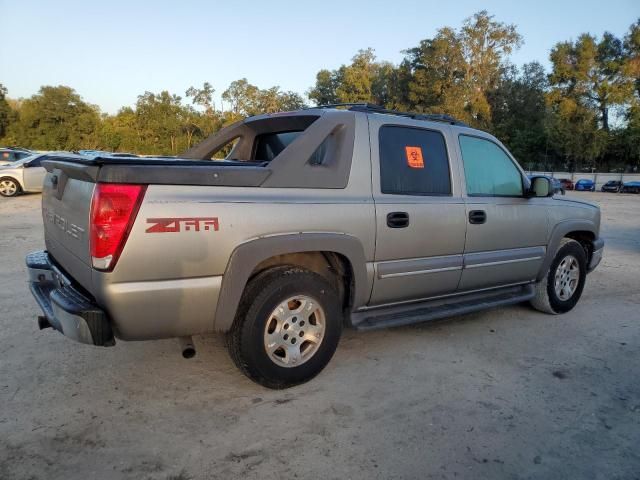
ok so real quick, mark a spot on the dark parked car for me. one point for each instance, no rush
(10, 155)
(614, 186)
(566, 183)
(631, 187)
(557, 186)
(585, 185)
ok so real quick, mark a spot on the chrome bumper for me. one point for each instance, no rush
(65, 308)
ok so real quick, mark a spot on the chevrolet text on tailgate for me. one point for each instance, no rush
(315, 219)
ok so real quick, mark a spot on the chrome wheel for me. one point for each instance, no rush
(567, 278)
(8, 188)
(294, 331)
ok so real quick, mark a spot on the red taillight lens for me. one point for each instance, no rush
(114, 207)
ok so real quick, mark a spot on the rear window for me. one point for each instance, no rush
(269, 145)
(413, 161)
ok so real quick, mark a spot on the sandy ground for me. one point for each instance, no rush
(507, 393)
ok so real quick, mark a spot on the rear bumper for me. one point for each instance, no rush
(65, 308)
(596, 256)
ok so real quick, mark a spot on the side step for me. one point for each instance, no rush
(408, 314)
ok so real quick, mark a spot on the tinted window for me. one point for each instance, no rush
(488, 169)
(413, 161)
(269, 145)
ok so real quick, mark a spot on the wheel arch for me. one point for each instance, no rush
(583, 231)
(343, 254)
(9, 177)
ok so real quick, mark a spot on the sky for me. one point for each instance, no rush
(112, 51)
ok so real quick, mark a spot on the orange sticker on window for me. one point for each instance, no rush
(414, 157)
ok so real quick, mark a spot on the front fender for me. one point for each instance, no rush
(558, 233)
(248, 255)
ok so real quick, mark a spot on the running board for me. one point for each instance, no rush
(408, 314)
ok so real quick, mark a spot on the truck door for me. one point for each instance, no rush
(506, 232)
(420, 214)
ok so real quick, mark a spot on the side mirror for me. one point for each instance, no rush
(541, 187)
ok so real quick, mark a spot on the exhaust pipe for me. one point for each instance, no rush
(187, 347)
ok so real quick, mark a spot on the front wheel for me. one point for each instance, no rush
(562, 287)
(287, 327)
(9, 187)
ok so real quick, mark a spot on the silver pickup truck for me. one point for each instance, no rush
(315, 219)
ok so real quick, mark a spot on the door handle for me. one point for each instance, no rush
(477, 216)
(397, 220)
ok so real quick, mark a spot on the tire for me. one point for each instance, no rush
(547, 298)
(287, 289)
(9, 187)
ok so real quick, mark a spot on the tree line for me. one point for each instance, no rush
(583, 114)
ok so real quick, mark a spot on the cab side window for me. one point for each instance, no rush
(488, 170)
(413, 161)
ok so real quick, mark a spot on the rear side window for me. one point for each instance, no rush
(488, 170)
(413, 161)
(269, 145)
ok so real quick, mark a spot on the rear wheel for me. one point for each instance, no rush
(287, 327)
(9, 187)
(562, 287)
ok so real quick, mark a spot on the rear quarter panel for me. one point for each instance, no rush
(167, 284)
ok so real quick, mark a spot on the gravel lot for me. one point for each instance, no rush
(506, 393)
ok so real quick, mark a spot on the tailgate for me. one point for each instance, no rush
(66, 205)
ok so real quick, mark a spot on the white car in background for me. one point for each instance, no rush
(24, 175)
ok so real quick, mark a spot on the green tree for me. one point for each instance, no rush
(574, 133)
(324, 91)
(247, 99)
(437, 73)
(120, 132)
(519, 114)
(455, 71)
(56, 118)
(203, 97)
(242, 97)
(354, 81)
(7, 114)
(160, 119)
(364, 80)
(592, 72)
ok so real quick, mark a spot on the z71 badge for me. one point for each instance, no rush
(167, 225)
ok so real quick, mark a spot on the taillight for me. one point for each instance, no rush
(114, 207)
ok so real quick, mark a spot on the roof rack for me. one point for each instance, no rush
(372, 108)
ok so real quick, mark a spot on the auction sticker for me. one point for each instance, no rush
(414, 157)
